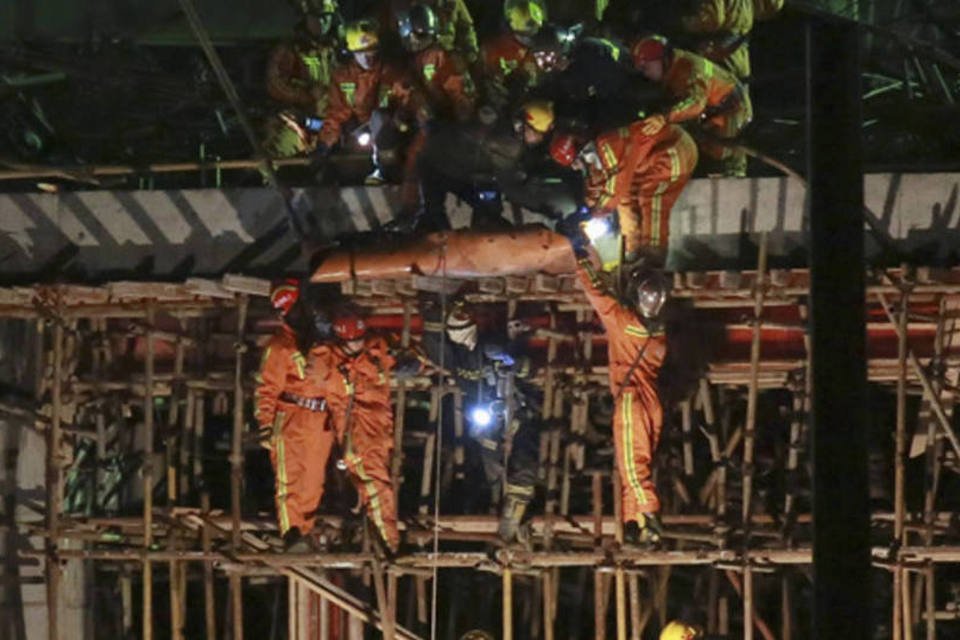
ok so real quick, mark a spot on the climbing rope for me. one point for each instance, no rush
(439, 445)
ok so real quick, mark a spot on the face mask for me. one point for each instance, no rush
(366, 59)
(466, 336)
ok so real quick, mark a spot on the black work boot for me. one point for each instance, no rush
(511, 529)
(645, 532)
(295, 542)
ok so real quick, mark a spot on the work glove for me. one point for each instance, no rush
(570, 228)
(264, 436)
(653, 124)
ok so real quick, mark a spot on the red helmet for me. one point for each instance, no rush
(564, 149)
(649, 49)
(349, 326)
(285, 294)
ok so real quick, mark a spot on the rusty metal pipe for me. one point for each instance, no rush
(467, 254)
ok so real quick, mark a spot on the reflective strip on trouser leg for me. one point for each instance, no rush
(282, 512)
(370, 493)
(629, 463)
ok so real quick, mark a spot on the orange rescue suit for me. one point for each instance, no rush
(725, 26)
(301, 438)
(361, 403)
(356, 92)
(705, 92)
(641, 177)
(635, 356)
(509, 69)
(300, 77)
(447, 84)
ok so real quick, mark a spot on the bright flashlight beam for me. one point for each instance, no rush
(364, 139)
(596, 228)
(481, 417)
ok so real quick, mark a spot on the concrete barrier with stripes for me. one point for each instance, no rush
(97, 235)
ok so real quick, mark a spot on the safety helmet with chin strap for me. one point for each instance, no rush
(349, 326)
(284, 295)
(649, 290)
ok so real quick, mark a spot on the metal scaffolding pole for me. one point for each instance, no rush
(841, 550)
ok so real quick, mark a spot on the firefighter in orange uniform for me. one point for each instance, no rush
(721, 29)
(636, 347)
(443, 75)
(637, 175)
(508, 66)
(362, 365)
(698, 90)
(293, 415)
(298, 77)
(379, 98)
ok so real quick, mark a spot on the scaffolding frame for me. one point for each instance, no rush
(76, 322)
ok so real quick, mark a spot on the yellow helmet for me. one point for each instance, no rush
(677, 630)
(361, 35)
(538, 115)
(525, 16)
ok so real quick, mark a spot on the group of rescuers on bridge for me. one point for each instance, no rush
(628, 110)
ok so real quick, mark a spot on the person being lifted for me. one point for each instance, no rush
(637, 175)
(697, 91)
(298, 78)
(379, 100)
(636, 348)
(292, 412)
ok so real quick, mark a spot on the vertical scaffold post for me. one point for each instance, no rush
(841, 544)
(148, 437)
(899, 474)
(236, 468)
(54, 480)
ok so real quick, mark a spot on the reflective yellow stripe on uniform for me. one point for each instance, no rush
(656, 205)
(349, 90)
(376, 511)
(301, 365)
(629, 464)
(636, 331)
(281, 475)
